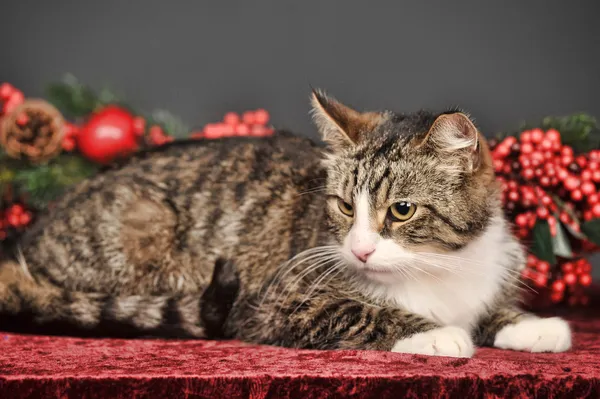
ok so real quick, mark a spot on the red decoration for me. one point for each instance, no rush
(545, 185)
(250, 123)
(108, 134)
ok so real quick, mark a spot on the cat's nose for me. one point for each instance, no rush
(363, 253)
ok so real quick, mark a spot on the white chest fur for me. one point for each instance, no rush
(458, 295)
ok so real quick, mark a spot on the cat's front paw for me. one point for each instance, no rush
(535, 335)
(445, 341)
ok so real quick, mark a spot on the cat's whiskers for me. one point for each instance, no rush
(313, 287)
(298, 279)
(312, 190)
(291, 264)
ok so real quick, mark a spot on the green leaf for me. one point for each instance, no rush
(44, 183)
(542, 242)
(592, 230)
(560, 243)
(73, 98)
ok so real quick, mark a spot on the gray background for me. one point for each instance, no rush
(504, 61)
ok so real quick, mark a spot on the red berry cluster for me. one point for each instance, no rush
(250, 123)
(70, 138)
(543, 179)
(14, 217)
(536, 168)
(10, 98)
(572, 276)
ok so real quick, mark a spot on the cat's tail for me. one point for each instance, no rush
(39, 304)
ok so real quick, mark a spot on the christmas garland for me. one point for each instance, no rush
(550, 174)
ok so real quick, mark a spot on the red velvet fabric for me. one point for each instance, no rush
(45, 366)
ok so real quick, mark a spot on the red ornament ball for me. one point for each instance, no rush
(108, 134)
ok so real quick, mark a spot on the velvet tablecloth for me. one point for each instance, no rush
(49, 366)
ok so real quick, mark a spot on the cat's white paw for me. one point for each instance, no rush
(535, 335)
(445, 341)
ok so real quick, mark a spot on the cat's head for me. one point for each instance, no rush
(403, 186)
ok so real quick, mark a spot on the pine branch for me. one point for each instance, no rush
(44, 183)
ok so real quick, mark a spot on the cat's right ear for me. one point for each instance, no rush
(340, 126)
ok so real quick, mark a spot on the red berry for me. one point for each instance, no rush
(565, 218)
(588, 188)
(16, 97)
(558, 286)
(531, 260)
(596, 210)
(528, 173)
(571, 183)
(546, 200)
(502, 151)
(231, 118)
(576, 195)
(16, 209)
(593, 165)
(242, 130)
(258, 130)
(542, 212)
(14, 219)
(570, 278)
(262, 118)
(588, 215)
(562, 174)
(593, 199)
(6, 90)
(567, 267)
(596, 176)
(540, 280)
(525, 136)
(553, 135)
(585, 280)
(24, 219)
(521, 220)
(139, 125)
(556, 297)
(513, 196)
(498, 165)
(212, 131)
(543, 266)
(22, 119)
(546, 144)
(249, 118)
(524, 161)
(537, 135)
(228, 130)
(566, 160)
(68, 144)
(526, 148)
(566, 151)
(581, 161)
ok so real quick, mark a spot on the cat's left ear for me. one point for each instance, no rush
(341, 126)
(455, 136)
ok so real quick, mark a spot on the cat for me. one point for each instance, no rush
(389, 237)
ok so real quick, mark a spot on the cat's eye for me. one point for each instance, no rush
(402, 211)
(345, 207)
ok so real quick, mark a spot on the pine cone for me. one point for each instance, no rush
(34, 130)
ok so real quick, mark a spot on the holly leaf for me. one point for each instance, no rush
(542, 242)
(592, 230)
(560, 243)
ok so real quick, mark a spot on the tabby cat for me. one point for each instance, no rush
(391, 237)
